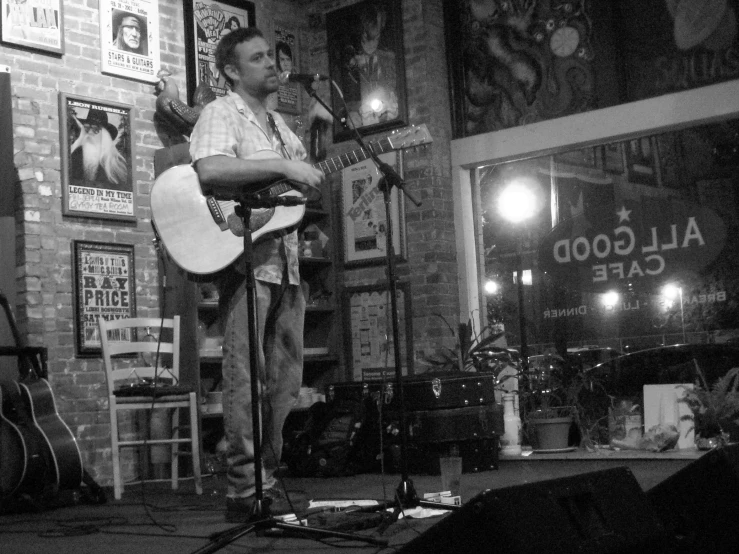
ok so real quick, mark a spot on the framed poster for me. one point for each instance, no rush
(366, 61)
(34, 24)
(369, 335)
(641, 161)
(613, 157)
(97, 158)
(286, 58)
(364, 221)
(129, 39)
(206, 21)
(104, 286)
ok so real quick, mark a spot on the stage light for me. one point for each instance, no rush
(610, 299)
(491, 287)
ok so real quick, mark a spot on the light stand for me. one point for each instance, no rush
(261, 519)
(405, 494)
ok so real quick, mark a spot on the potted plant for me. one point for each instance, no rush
(714, 408)
(564, 405)
(472, 351)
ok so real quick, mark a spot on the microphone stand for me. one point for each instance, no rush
(405, 493)
(261, 519)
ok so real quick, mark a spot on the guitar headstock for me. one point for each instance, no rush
(410, 137)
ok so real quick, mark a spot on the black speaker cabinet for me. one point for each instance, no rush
(699, 504)
(603, 511)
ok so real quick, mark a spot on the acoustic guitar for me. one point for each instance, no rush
(25, 459)
(202, 234)
(52, 456)
(12, 452)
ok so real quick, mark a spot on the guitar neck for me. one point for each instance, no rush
(337, 163)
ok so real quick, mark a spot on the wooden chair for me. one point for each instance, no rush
(128, 376)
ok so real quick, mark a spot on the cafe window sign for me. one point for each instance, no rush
(638, 244)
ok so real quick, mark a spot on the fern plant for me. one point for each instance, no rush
(471, 349)
(713, 405)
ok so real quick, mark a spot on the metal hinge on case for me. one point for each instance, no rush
(436, 386)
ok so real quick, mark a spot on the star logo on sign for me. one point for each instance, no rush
(623, 214)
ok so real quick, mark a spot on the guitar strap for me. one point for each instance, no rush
(276, 132)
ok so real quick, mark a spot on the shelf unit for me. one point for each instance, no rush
(195, 300)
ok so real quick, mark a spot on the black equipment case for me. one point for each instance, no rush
(424, 392)
(442, 411)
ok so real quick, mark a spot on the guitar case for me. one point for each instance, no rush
(442, 410)
(424, 392)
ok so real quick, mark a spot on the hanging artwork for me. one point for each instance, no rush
(369, 336)
(286, 59)
(33, 24)
(206, 22)
(97, 158)
(364, 217)
(104, 286)
(129, 39)
(367, 62)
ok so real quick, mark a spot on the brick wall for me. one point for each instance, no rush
(431, 266)
(45, 308)
(44, 276)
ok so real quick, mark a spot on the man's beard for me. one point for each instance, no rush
(98, 151)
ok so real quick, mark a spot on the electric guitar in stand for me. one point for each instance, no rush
(203, 235)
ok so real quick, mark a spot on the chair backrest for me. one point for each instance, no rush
(137, 339)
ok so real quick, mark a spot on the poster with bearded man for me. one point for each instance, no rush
(129, 39)
(97, 158)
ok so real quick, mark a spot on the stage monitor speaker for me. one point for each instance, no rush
(603, 511)
(699, 504)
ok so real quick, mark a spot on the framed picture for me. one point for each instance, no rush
(613, 157)
(129, 39)
(641, 161)
(97, 158)
(287, 53)
(365, 54)
(206, 21)
(104, 286)
(36, 24)
(364, 220)
(369, 331)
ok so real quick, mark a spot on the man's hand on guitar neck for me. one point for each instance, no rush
(303, 173)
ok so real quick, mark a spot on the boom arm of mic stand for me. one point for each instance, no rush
(392, 179)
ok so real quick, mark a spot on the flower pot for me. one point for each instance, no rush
(550, 433)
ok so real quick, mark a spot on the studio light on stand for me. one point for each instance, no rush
(670, 291)
(517, 204)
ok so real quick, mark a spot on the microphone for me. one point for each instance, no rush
(302, 78)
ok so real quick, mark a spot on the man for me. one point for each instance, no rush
(128, 35)
(372, 71)
(94, 154)
(284, 57)
(231, 129)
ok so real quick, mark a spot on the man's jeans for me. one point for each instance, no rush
(281, 311)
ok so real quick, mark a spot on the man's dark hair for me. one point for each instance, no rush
(225, 49)
(282, 47)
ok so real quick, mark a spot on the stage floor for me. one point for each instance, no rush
(157, 519)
